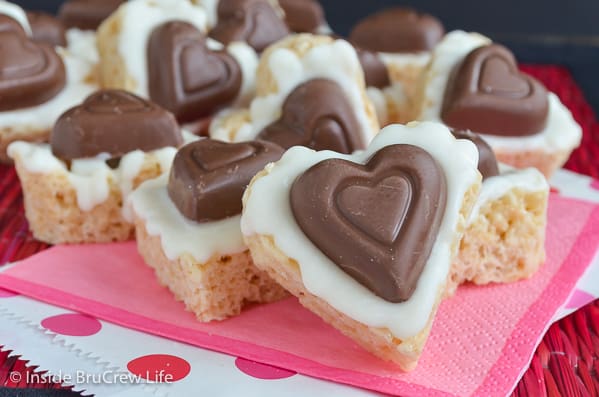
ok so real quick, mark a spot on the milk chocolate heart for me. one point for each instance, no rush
(30, 73)
(208, 177)
(185, 76)
(488, 94)
(378, 222)
(10, 24)
(47, 29)
(114, 122)
(375, 71)
(303, 16)
(397, 30)
(253, 21)
(487, 162)
(87, 14)
(316, 114)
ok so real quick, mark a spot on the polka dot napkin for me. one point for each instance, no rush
(481, 342)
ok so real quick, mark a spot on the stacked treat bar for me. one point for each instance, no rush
(240, 143)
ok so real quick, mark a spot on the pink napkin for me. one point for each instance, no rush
(481, 342)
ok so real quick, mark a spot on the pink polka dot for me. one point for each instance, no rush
(162, 368)
(72, 324)
(4, 293)
(579, 299)
(554, 190)
(262, 371)
(595, 184)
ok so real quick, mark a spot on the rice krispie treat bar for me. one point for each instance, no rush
(366, 241)
(187, 228)
(74, 187)
(505, 234)
(310, 91)
(474, 84)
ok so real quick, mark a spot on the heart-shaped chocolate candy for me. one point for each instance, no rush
(375, 71)
(114, 122)
(487, 162)
(208, 177)
(303, 16)
(30, 73)
(185, 76)
(254, 21)
(378, 222)
(397, 30)
(488, 94)
(316, 114)
(47, 29)
(87, 14)
(10, 24)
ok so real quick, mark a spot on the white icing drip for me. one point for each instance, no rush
(42, 117)
(393, 95)
(90, 177)
(378, 99)
(405, 60)
(560, 133)
(324, 30)
(528, 180)
(336, 61)
(139, 19)
(213, 44)
(17, 13)
(211, 7)
(82, 44)
(39, 160)
(267, 212)
(248, 60)
(178, 234)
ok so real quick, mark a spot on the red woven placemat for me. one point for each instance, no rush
(565, 364)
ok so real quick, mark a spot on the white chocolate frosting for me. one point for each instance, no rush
(211, 9)
(179, 235)
(248, 60)
(381, 98)
(17, 13)
(336, 61)
(560, 133)
(267, 211)
(82, 44)
(89, 177)
(139, 18)
(42, 117)
(509, 178)
(402, 60)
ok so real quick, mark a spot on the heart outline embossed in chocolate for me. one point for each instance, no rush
(208, 177)
(378, 221)
(253, 21)
(316, 114)
(487, 94)
(30, 73)
(185, 76)
(115, 122)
